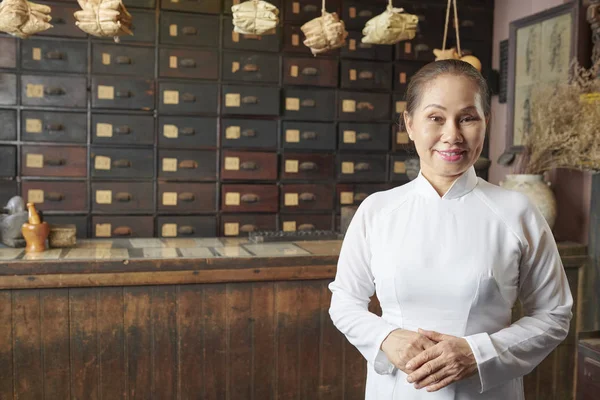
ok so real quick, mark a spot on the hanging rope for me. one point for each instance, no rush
(456, 27)
(451, 3)
(446, 26)
(323, 7)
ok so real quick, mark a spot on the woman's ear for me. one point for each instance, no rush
(408, 123)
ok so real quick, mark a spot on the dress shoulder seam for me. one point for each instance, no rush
(486, 201)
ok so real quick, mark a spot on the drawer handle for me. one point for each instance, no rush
(188, 164)
(251, 68)
(186, 196)
(123, 130)
(467, 23)
(248, 228)
(55, 162)
(249, 133)
(309, 135)
(123, 94)
(186, 230)
(421, 47)
(306, 227)
(250, 100)
(188, 63)
(363, 137)
(362, 166)
(58, 20)
(54, 196)
(123, 60)
(249, 198)
(54, 91)
(122, 164)
(54, 55)
(365, 105)
(308, 103)
(189, 30)
(188, 98)
(310, 8)
(248, 166)
(360, 196)
(367, 75)
(123, 197)
(307, 166)
(310, 71)
(187, 131)
(307, 197)
(365, 13)
(54, 128)
(122, 231)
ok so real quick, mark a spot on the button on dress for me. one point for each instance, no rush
(455, 264)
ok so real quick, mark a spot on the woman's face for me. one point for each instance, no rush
(448, 126)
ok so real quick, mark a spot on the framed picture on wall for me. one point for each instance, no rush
(541, 47)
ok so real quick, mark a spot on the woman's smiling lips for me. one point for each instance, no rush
(453, 155)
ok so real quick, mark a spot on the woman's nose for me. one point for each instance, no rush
(451, 133)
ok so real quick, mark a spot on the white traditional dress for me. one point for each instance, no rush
(454, 264)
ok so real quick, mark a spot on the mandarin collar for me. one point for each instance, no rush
(460, 187)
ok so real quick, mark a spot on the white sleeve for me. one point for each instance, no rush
(351, 289)
(546, 298)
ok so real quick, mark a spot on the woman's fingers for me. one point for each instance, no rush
(430, 372)
(439, 385)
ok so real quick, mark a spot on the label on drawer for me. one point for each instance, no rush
(102, 163)
(104, 196)
(292, 135)
(34, 161)
(289, 226)
(399, 167)
(169, 164)
(173, 30)
(349, 106)
(232, 100)
(169, 230)
(235, 67)
(231, 228)
(294, 71)
(33, 125)
(103, 230)
(169, 199)
(106, 92)
(296, 7)
(173, 62)
(349, 136)
(295, 40)
(407, 48)
(291, 166)
(290, 199)
(292, 103)
(170, 131)
(400, 107)
(233, 132)
(104, 130)
(35, 196)
(34, 91)
(347, 167)
(106, 58)
(235, 37)
(352, 12)
(232, 199)
(36, 54)
(347, 198)
(352, 44)
(402, 77)
(402, 138)
(171, 97)
(352, 74)
(232, 163)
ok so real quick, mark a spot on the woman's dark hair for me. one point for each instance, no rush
(445, 67)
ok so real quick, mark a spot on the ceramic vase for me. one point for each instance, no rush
(538, 191)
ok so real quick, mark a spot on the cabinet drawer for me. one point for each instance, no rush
(474, 23)
(197, 226)
(249, 133)
(200, 6)
(301, 11)
(48, 126)
(303, 197)
(63, 21)
(122, 129)
(362, 168)
(60, 161)
(399, 165)
(8, 125)
(361, 137)
(197, 165)
(303, 166)
(228, 3)
(305, 222)
(182, 63)
(398, 107)
(122, 163)
(54, 56)
(8, 89)
(248, 165)
(8, 52)
(353, 194)
(123, 196)
(250, 67)
(198, 98)
(418, 49)
(8, 161)
(355, 14)
(139, 4)
(189, 29)
(310, 71)
(308, 135)
(143, 26)
(293, 38)
(122, 226)
(357, 106)
(431, 18)
(187, 132)
(309, 104)
(400, 140)
(402, 74)
(249, 198)
(56, 196)
(8, 189)
(187, 197)
(80, 222)
(355, 48)
(366, 75)
(242, 224)
(58, 91)
(250, 100)
(122, 93)
(122, 60)
(237, 41)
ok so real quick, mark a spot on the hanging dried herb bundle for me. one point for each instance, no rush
(390, 27)
(22, 19)
(255, 17)
(103, 18)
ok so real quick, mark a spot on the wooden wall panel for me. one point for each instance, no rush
(215, 341)
(84, 345)
(27, 345)
(263, 340)
(165, 357)
(54, 305)
(138, 342)
(190, 338)
(6, 343)
(111, 344)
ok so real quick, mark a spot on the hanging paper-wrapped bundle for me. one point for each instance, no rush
(22, 19)
(103, 18)
(324, 33)
(255, 17)
(390, 27)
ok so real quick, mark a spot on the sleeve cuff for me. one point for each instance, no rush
(483, 350)
(381, 364)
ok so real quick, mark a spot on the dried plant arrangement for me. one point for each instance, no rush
(22, 18)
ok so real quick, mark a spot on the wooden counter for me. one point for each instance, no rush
(191, 319)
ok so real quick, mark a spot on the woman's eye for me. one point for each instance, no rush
(468, 119)
(435, 118)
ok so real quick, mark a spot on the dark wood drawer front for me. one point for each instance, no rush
(237, 41)
(401, 142)
(205, 226)
(402, 74)
(398, 107)
(59, 91)
(293, 38)
(8, 161)
(249, 198)
(8, 89)
(122, 163)
(228, 3)
(8, 52)
(309, 104)
(398, 168)
(250, 67)
(298, 197)
(187, 132)
(182, 63)
(120, 226)
(48, 126)
(246, 133)
(248, 165)
(63, 21)
(361, 137)
(242, 224)
(189, 29)
(357, 106)
(250, 100)
(308, 135)
(207, 7)
(122, 93)
(361, 168)
(355, 14)
(302, 166)
(187, 197)
(310, 71)
(56, 196)
(188, 98)
(143, 26)
(419, 49)
(123, 196)
(197, 165)
(353, 195)
(139, 4)
(366, 75)
(300, 11)
(474, 23)
(8, 189)
(355, 48)
(122, 129)
(8, 125)
(54, 56)
(431, 18)
(80, 222)
(305, 222)
(56, 161)
(122, 60)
